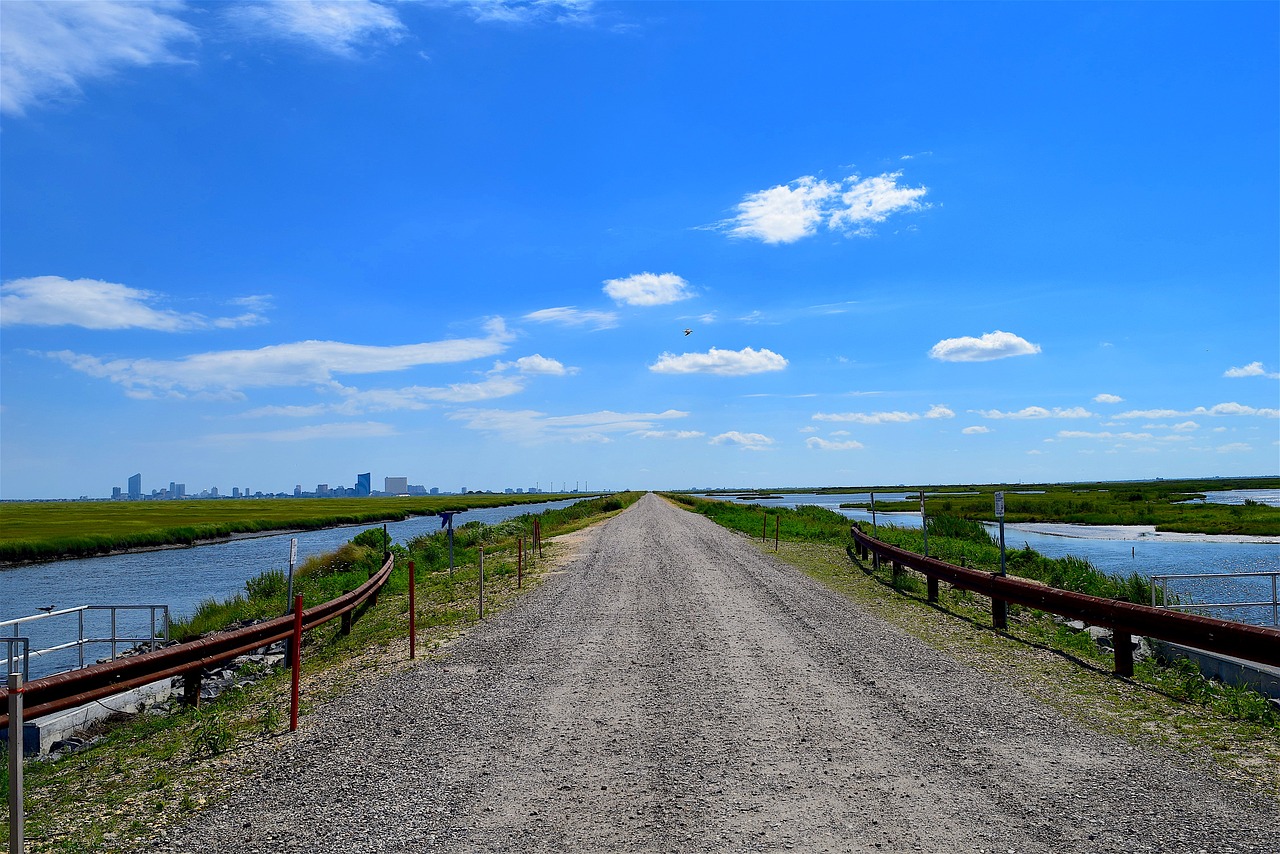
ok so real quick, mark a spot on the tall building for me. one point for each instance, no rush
(395, 485)
(135, 487)
(116, 493)
(363, 487)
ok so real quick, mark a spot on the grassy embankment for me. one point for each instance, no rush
(150, 771)
(1170, 505)
(1173, 706)
(45, 530)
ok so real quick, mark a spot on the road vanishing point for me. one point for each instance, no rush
(673, 688)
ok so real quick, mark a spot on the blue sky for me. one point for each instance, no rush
(636, 245)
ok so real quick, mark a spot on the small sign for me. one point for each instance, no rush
(922, 502)
(999, 505)
(293, 550)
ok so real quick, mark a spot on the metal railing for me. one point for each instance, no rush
(1125, 619)
(158, 615)
(1161, 583)
(11, 656)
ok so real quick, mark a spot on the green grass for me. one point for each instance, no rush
(1169, 505)
(50, 529)
(149, 771)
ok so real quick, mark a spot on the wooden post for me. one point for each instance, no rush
(191, 688)
(777, 520)
(999, 614)
(295, 662)
(519, 563)
(413, 617)
(1123, 643)
(764, 528)
(897, 571)
(933, 588)
(481, 591)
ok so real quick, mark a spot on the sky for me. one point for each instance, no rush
(636, 245)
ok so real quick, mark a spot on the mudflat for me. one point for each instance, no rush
(672, 688)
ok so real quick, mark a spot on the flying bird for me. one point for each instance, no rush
(688, 332)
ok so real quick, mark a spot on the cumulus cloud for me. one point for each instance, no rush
(52, 49)
(1235, 448)
(568, 315)
(528, 426)
(724, 363)
(1218, 409)
(1108, 398)
(895, 417)
(302, 363)
(669, 434)
(94, 304)
(1033, 412)
(745, 441)
(648, 289)
(1124, 436)
(536, 364)
(522, 12)
(1253, 369)
(992, 345)
(788, 212)
(974, 431)
(339, 28)
(817, 444)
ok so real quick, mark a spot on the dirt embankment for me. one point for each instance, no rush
(674, 689)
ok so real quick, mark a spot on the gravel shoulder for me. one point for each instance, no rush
(673, 688)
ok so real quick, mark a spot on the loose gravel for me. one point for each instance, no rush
(674, 689)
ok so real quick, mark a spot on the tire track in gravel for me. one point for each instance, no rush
(677, 690)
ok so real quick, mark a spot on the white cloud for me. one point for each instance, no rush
(895, 417)
(339, 28)
(1234, 448)
(353, 430)
(1185, 426)
(648, 289)
(52, 49)
(788, 212)
(1108, 398)
(669, 434)
(527, 11)
(1218, 409)
(745, 441)
(809, 429)
(528, 426)
(992, 345)
(301, 363)
(94, 304)
(1032, 412)
(1084, 434)
(818, 444)
(724, 363)
(537, 364)
(974, 431)
(568, 315)
(1253, 369)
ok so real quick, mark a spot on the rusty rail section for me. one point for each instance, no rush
(1252, 643)
(98, 681)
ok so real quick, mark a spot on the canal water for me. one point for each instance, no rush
(1147, 556)
(180, 578)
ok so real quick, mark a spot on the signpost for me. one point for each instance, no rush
(924, 524)
(998, 609)
(293, 559)
(446, 521)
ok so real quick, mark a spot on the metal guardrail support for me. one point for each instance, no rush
(158, 635)
(1125, 619)
(11, 657)
(16, 807)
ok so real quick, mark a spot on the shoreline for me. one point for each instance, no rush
(1144, 533)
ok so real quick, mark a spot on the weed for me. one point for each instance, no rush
(212, 734)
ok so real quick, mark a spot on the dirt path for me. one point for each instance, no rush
(676, 690)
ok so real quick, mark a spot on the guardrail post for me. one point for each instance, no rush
(999, 614)
(933, 588)
(481, 585)
(16, 806)
(519, 562)
(1123, 643)
(897, 571)
(191, 687)
(295, 662)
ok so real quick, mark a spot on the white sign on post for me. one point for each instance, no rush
(293, 550)
(999, 505)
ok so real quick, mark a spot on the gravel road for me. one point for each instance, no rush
(674, 689)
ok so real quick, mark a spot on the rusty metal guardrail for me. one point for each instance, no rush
(1125, 619)
(98, 681)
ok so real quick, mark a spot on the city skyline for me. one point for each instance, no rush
(886, 243)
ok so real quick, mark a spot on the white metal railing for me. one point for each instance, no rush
(1161, 583)
(11, 657)
(159, 634)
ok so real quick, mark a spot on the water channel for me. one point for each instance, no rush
(180, 578)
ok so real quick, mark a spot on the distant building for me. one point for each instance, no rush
(395, 485)
(235, 492)
(116, 493)
(435, 490)
(135, 487)
(363, 487)
(297, 491)
(415, 489)
(213, 492)
(182, 490)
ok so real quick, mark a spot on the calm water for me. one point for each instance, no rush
(179, 578)
(1118, 557)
